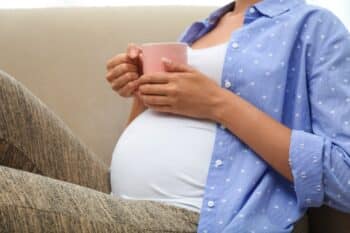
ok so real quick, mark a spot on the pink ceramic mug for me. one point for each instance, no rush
(152, 54)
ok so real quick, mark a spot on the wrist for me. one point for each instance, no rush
(222, 105)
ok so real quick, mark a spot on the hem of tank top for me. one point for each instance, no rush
(170, 203)
(181, 206)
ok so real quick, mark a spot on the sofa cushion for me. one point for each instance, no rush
(11, 156)
(32, 203)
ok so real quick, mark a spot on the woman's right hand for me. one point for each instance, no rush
(123, 69)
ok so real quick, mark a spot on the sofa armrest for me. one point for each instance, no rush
(35, 139)
(328, 220)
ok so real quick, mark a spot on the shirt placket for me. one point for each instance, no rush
(219, 161)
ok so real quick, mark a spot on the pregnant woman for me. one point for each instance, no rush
(253, 131)
(245, 138)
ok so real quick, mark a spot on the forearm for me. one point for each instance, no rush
(137, 108)
(267, 137)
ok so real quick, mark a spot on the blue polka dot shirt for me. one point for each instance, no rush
(292, 61)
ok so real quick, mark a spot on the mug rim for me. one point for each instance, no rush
(164, 43)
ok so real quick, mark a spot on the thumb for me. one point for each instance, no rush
(133, 50)
(171, 66)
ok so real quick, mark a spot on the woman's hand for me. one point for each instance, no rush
(181, 90)
(123, 69)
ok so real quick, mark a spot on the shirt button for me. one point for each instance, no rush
(222, 126)
(211, 204)
(252, 10)
(218, 163)
(235, 45)
(227, 84)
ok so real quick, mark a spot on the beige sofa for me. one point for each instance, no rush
(60, 55)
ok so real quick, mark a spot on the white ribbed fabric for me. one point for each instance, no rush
(165, 157)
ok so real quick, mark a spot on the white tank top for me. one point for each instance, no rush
(165, 157)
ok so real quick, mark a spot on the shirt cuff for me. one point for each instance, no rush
(306, 161)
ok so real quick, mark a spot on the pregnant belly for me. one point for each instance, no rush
(162, 156)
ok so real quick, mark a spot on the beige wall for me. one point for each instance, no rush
(60, 55)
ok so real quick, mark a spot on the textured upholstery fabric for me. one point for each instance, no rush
(31, 203)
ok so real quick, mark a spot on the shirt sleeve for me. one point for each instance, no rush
(320, 161)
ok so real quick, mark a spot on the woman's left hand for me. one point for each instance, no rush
(181, 90)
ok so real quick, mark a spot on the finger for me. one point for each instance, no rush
(153, 89)
(120, 70)
(127, 90)
(119, 59)
(158, 77)
(171, 66)
(155, 100)
(133, 51)
(124, 80)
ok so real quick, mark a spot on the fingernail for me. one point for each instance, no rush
(166, 60)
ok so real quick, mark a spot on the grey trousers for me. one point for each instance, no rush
(69, 191)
